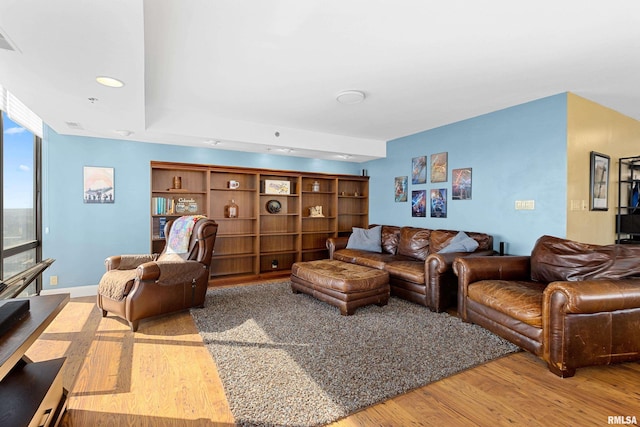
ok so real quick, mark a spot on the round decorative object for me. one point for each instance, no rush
(273, 206)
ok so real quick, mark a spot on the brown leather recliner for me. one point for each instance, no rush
(572, 304)
(141, 286)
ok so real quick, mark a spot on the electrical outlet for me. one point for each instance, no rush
(525, 205)
(53, 280)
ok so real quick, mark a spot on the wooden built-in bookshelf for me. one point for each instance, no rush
(260, 242)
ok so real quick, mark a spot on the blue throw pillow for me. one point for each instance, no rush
(460, 243)
(369, 239)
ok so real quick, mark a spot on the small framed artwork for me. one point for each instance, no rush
(98, 185)
(419, 203)
(439, 203)
(401, 188)
(461, 184)
(419, 170)
(439, 167)
(277, 187)
(599, 182)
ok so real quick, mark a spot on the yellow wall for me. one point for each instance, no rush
(592, 127)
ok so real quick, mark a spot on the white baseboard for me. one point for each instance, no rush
(76, 292)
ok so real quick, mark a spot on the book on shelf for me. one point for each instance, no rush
(162, 221)
(163, 206)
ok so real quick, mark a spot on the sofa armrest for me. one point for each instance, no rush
(170, 272)
(590, 322)
(127, 262)
(149, 271)
(472, 269)
(335, 243)
(441, 262)
(592, 296)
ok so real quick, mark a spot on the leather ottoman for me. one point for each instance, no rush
(341, 284)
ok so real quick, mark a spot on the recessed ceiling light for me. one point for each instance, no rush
(211, 142)
(109, 81)
(124, 132)
(350, 97)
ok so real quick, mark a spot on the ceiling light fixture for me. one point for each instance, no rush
(109, 81)
(124, 132)
(212, 142)
(350, 97)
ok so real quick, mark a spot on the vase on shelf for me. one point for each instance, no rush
(231, 210)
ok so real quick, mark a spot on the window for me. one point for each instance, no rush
(20, 203)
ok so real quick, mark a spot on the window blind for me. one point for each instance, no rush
(20, 113)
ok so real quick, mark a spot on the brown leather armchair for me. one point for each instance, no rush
(572, 304)
(141, 286)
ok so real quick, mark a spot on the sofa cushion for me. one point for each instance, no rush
(439, 239)
(520, 300)
(366, 239)
(390, 239)
(460, 243)
(556, 259)
(365, 258)
(412, 271)
(414, 242)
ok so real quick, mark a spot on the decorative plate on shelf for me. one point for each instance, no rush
(273, 206)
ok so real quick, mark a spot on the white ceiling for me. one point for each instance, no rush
(239, 71)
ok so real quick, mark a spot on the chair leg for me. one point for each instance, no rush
(104, 313)
(134, 325)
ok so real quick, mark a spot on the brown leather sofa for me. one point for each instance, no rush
(140, 286)
(572, 304)
(417, 272)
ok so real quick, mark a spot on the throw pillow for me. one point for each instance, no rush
(366, 239)
(460, 243)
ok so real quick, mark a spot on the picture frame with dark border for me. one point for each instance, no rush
(419, 203)
(599, 181)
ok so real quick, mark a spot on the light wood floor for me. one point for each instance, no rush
(162, 375)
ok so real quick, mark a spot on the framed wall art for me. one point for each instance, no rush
(461, 184)
(439, 203)
(272, 186)
(419, 203)
(401, 188)
(439, 167)
(98, 185)
(599, 182)
(419, 170)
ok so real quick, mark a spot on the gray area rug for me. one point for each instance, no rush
(290, 360)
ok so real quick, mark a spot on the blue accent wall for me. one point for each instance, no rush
(519, 153)
(80, 236)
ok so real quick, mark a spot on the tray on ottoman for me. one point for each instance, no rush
(341, 284)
